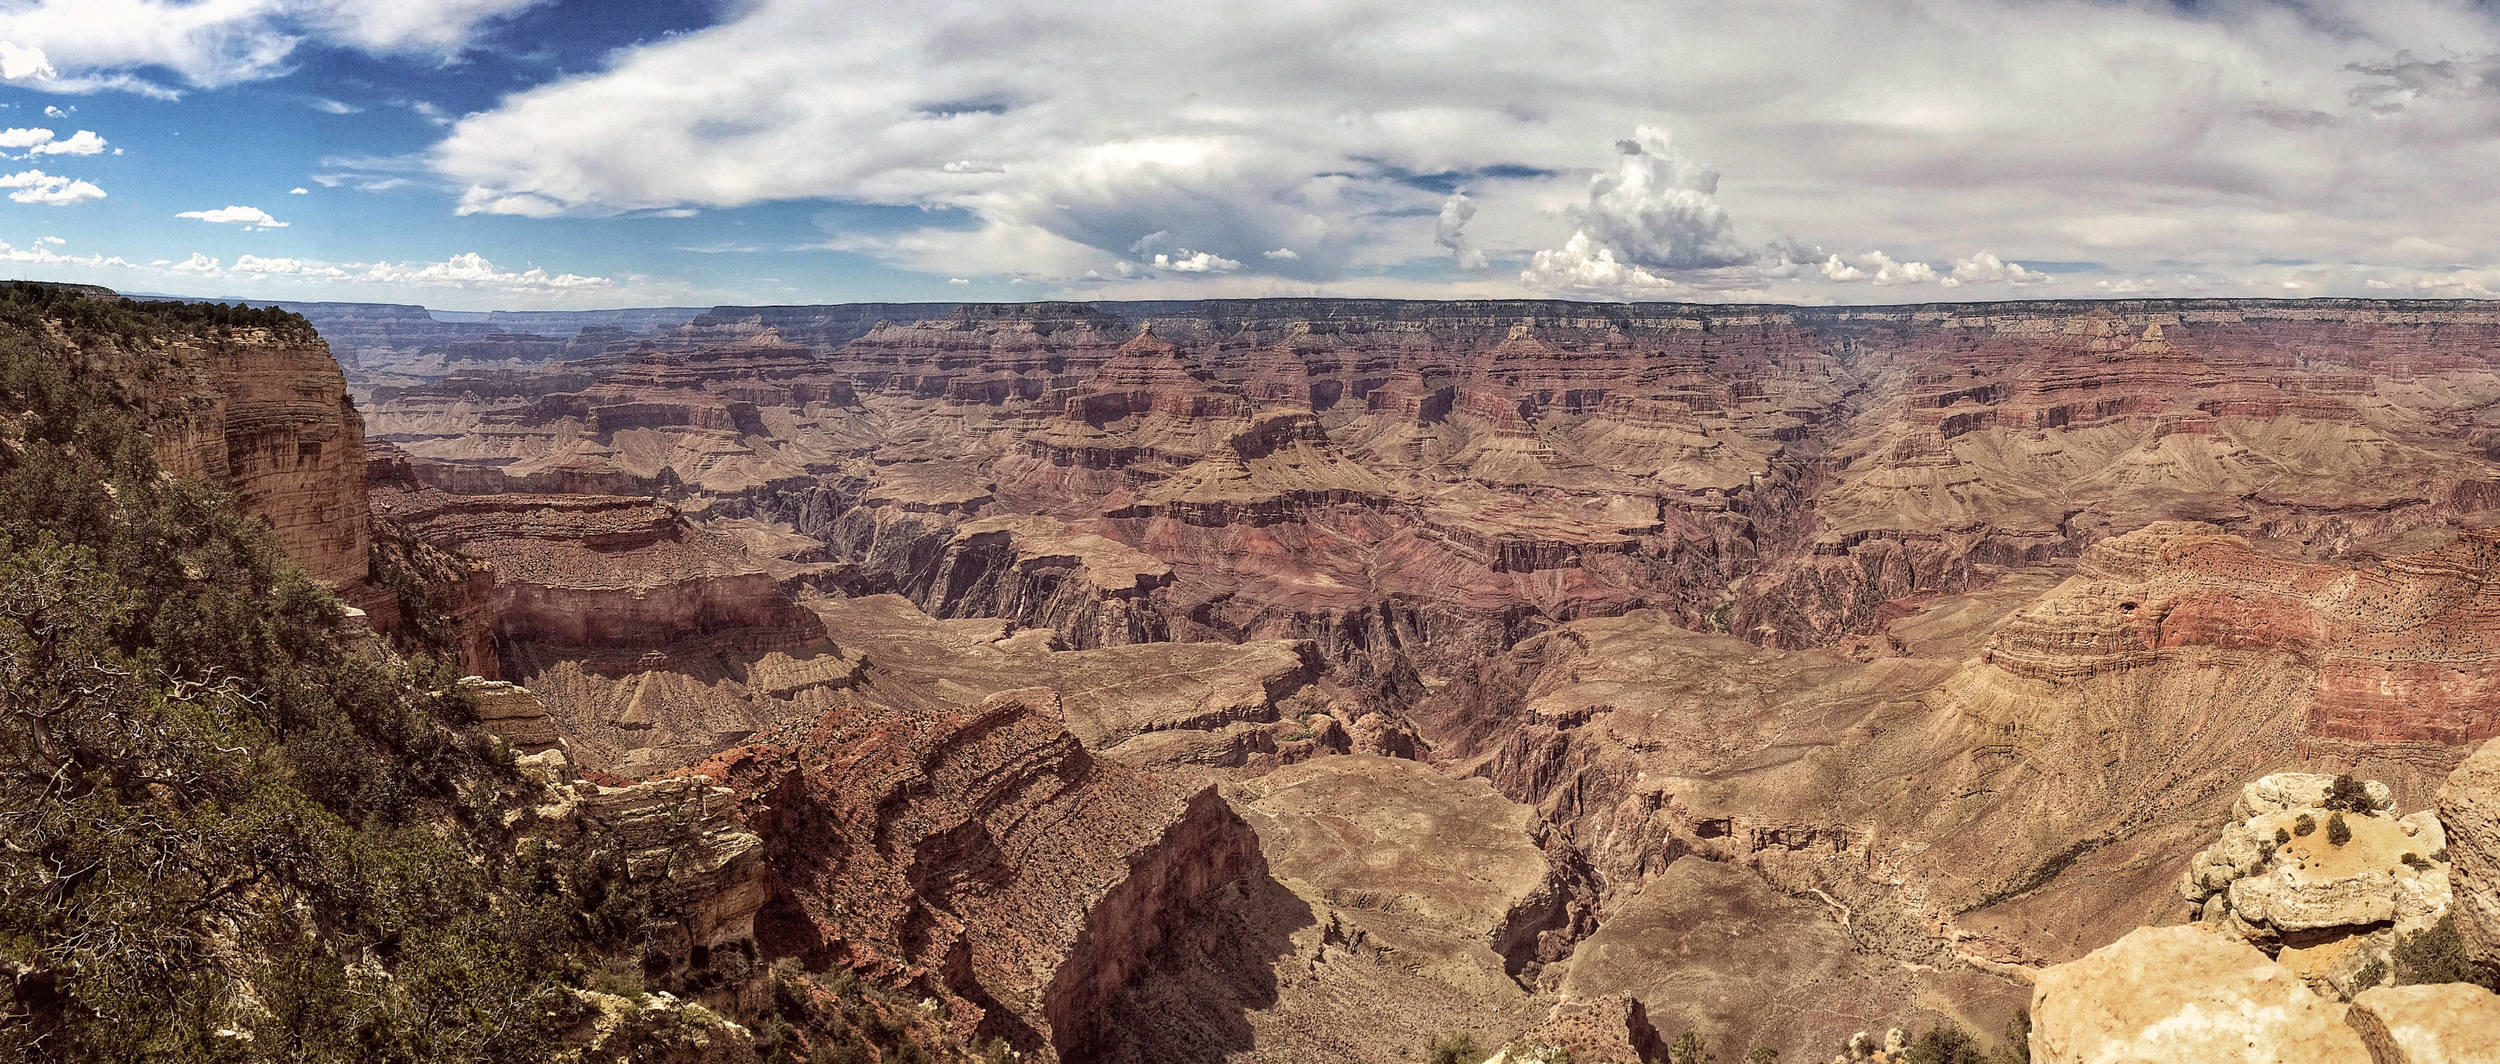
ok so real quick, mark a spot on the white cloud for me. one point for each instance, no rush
(1654, 214)
(1450, 231)
(469, 272)
(83, 142)
(1187, 261)
(252, 217)
(958, 280)
(1280, 255)
(20, 63)
(299, 190)
(1583, 266)
(49, 111)
(1986, 268)
(50, 190)
(39, 141)
(971, 166)
(1878, 268)
(91, 45)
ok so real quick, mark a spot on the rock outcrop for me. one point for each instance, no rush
(2185, 995)
(2445, 1023)
(2469, 810)
(512, 714)
(2330, 888)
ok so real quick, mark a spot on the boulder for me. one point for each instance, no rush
(2469, 814)
(2449, 1023)
(2188, 995)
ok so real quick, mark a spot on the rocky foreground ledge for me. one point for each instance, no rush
(2315, 897)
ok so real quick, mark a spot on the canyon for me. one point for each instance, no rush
(1310, 679)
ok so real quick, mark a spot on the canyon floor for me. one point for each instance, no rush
(1312, 679)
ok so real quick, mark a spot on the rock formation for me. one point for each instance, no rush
(978, 854)
(2445, 1023)
(2185, 994)
(2469, 810)
(2328, 881)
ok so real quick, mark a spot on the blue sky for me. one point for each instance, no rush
(475, 154)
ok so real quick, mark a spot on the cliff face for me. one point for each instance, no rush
(270, 420)
(980, 855)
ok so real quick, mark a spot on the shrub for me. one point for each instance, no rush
(2305, 825)
(2437, 955)
(1455, 1047)
(1689, 1048)
(2348, 795)
(1945, 1043)
(2416, 861)
(2282, 837)
(2337, 832)
(1763, 1055)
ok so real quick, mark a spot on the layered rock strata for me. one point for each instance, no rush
(978, 854)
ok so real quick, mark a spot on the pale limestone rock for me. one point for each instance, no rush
(2469, 812)
(2299, 790)
(2184, 995)
(2450, 1023)
(2262, 878)
(683, 842)
(512, 713)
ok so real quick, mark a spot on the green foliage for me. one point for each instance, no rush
(1455, 1047)
(2305, 826)
(84, 315)
(2337, 832)
(2282, 837)
(1689, 1048)
(2438, 955)
(1945, 1043)
(227, 838)
(2372, 974)
(2348, 795)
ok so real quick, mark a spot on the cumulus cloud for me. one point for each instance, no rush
(1450, 231)
(1877, 268)
(92, 45)
(299, 190)
(250, 217)
(50, 190)
(1280, 255)
(470, 271)
(1655, 213)
(83, 142)
(1986, 268)
(1187, 261)
(39, 141)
